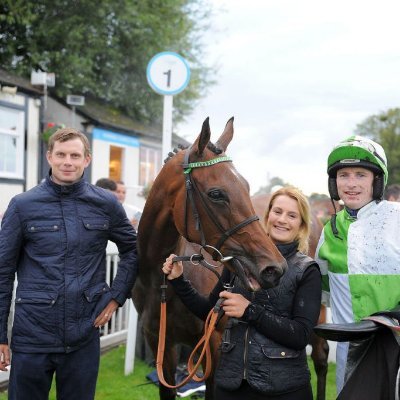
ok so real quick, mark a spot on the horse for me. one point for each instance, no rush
(198, 196)
(319, 345)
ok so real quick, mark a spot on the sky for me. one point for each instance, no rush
(298, 76)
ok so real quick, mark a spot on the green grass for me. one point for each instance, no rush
(114, 385)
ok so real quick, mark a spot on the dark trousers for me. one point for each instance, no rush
(76, 373)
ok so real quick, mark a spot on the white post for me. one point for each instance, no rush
(131, 338)
(73, 116)
(167, 126)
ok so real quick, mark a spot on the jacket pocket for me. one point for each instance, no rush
(94, 234)
(280, 352)
(276, 369)
(43, 237)
(95, 299)
(36, 320)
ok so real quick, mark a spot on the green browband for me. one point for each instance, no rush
(208, 163)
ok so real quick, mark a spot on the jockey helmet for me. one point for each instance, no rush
(358, 151)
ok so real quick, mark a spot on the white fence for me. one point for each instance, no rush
(116, 330)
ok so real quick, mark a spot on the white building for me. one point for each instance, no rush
(20, 107)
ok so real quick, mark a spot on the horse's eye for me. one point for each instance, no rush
(217, 195)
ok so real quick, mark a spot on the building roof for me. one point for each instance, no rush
(101, 114)
(23, 84)
(97, 112)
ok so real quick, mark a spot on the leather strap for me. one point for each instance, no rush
(203, 344)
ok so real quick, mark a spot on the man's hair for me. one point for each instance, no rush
(107, 183)
(65, 134)
(392, 190)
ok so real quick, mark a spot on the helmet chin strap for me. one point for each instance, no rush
(333, 222)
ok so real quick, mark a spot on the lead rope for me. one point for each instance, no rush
(204, 344)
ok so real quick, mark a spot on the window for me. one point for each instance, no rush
(11, 143)
(150, 165)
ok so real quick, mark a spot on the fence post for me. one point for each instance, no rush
(131, 338)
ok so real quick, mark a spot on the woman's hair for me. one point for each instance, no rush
(304, 209)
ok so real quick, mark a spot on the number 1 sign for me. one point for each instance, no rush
(168, 74)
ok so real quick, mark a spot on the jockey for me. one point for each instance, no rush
(359, 248)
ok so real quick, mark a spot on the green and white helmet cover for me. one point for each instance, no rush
(358, 151)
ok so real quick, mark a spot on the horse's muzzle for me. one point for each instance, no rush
(271, 275)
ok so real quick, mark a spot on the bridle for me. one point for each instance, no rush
(192, 190)
(215, 314)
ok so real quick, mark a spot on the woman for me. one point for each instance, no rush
(263, 348)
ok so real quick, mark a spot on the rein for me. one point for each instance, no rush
(216, 313)
(204, 343)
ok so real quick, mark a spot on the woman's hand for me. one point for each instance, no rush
(234, 304)
(172, 270)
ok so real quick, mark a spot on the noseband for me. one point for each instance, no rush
(192, 190)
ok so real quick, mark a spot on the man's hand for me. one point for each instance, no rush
(4, 357)
(106, 314)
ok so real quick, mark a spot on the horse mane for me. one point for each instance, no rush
(211, 146)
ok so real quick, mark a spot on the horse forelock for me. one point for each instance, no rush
(216, 150)
(210, 146)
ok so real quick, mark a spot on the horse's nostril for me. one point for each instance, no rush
(270, 277)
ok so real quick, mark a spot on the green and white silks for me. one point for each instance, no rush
(361, 270)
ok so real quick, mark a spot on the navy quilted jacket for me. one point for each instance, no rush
(54, 237)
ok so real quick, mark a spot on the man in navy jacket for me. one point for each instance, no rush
(54, 238)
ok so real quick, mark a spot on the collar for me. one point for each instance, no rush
(352, 213)
(65, 190)
(363, 210)
(288, 249)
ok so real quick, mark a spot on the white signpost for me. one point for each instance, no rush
(168, 74)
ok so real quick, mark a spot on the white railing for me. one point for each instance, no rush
(116, 330)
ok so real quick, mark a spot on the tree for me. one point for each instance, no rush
(101, 48)
(385, 129)
(273, 182)
(318, 197)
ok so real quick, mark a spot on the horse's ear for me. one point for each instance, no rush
(226, 136)
(202, 140)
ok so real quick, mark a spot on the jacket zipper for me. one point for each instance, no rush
(246, 344)
(246, 336)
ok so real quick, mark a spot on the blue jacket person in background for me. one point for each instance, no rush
(54, 239)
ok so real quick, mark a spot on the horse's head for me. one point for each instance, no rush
(212, 207)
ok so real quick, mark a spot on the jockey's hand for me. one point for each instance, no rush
(234, 304)
(172, 270)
